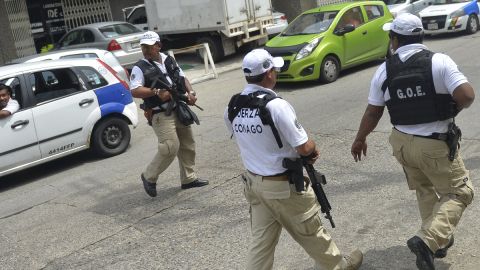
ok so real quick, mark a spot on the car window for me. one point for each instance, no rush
(394, 2)
(94, 79)
(52, 84)
(79, 55)
(310, 23)
(118, 30)
(374, 12)
(14, 83)
(72, 38)
(352, 16)
(445, 2)
(87, 36)
(138, 16)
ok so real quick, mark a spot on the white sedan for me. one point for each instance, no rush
(279, 23)
(446, 16)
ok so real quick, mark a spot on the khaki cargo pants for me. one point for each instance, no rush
(174, 140)
(443, 187)
(274, 204)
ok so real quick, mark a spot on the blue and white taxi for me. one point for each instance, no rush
(65, 106)
(450, 16)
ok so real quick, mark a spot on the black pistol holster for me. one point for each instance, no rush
(454, 135)
(295, 173)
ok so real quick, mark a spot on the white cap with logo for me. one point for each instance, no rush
(259, 61)
(405, 24)
(149, 38)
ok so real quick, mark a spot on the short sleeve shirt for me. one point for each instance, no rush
(12, 106)
(258, 148)
(446, 77)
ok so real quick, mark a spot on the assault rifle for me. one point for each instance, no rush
(295, 176)
(174, 91)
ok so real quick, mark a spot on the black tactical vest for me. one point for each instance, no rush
(252, 101)
(413, 99)
(152, 73)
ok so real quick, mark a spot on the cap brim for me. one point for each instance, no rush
(278, 62)
(387, 27)
(147, 42)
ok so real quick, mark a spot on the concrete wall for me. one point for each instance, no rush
(293, 8)
(7, 43)
(117, 5)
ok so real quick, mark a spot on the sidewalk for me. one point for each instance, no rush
(194, 68)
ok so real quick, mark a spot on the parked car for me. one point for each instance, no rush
(280, 22)
(103, 55)
(322, 41)
(398, 7)
(446, 16)
(120, 38)
(65, 106)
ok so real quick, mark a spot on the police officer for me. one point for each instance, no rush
(423, 92)
(174, 138)
(274, 203)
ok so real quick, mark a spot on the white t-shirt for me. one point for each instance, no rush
(258, 148)
(446, 77)
(136, 76)
(12, 106)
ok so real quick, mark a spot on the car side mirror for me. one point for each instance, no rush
(343, 30)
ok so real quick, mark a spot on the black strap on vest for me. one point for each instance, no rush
(253, 101)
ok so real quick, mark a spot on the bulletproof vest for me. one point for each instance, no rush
(252, 101)
(413, 99)
(152, 73)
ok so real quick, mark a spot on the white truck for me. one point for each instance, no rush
(225, 25)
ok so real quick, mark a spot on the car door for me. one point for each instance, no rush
(19, 144)
(355, 43)
(63, 108)
(378, 39)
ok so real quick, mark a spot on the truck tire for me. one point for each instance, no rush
(472, 24)
(110, 137)
(215, 45)
(329, 70)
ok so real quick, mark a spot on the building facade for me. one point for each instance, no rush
(32, 26)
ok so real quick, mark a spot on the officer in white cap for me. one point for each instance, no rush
(174, 138)
(423, 92)
(274, 202)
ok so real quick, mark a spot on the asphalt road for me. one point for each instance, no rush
(81, 212)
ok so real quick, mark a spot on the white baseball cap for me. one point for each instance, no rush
(259, 61)
(149, 38)
(405, 24)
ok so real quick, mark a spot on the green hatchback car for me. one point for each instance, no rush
(322, 41)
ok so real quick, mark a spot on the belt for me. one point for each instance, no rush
(275, 177)
(434, 136)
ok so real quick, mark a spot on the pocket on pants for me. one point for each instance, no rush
(275, 190)
(398, 153)
(437, 160)
(165, 148)
(309, 222)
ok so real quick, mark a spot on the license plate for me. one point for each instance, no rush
(135, 45)
(432, 26)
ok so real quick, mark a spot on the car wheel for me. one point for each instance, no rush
(111, 137)
(329, 70)
(472, 24)
(215, 46)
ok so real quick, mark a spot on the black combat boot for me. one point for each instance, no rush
(423, 253)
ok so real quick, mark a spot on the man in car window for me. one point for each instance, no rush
(8, 106)
(174, 138)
